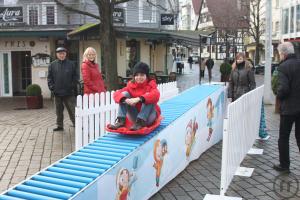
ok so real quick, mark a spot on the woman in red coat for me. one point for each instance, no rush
(92, 78)
(138, 100)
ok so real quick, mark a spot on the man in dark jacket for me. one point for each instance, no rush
(209, 64)
(288, 93)
(62, 80)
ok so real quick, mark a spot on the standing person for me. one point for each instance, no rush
(138, 100)
(62, 80)
(92, 78)
(210, 64)
(202, 64)
(190, 61)
(242, 78)
(288, 92)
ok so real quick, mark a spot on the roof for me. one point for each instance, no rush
(184, 37)
(40, 30)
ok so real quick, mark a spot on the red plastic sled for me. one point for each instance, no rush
(143, 131)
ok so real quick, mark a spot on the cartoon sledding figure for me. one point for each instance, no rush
(160, 150)
(210, 114)
(124, 182)
(191, 130)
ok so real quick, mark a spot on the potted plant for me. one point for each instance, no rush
(34, 98)
(274, 83)
(225, 70)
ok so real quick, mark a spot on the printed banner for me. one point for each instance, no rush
(145, 171)
(167, 19)
(11, 15)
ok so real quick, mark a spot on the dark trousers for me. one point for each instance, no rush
(69, 102)
(209, 74)
(286, 124)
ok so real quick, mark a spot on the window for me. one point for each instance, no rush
(292, 20)
(33, 15)
(298, 18)
(276, 27)
(285, 21)
(277, 3)
(49, 13)
(147, 12)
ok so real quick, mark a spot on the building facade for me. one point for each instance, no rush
(32, 30)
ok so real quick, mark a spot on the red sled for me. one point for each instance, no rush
(143, 131)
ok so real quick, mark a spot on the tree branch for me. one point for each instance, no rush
(76, 10)
(116, 2)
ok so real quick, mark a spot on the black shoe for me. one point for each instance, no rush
(120, 122)
(58, 129)
(281, 169)
(138, 124)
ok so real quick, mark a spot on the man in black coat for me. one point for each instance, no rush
(62, 80)
(288, 93)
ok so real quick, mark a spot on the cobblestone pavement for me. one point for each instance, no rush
(28, 144)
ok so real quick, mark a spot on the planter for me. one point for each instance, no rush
(277, 105)
(34, 102)
(224, 78)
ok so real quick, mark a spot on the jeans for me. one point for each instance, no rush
(147, 112)
(69, 102)
(286, 124)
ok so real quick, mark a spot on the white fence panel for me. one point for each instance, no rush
(93, 112)
(240, 131)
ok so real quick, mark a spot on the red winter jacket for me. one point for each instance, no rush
(92, 78)
(148, 90)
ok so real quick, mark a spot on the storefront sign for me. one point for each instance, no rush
(11, 15)
(41, 59)
(167, 19)
(118, 15)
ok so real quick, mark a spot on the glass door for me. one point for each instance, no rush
(5, 74)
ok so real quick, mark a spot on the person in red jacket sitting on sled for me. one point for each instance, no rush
(138, 100)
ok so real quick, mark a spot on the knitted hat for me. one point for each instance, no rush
(141, 67)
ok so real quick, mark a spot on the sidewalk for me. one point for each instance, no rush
(28, 144)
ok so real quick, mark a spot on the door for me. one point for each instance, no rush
(5, 74)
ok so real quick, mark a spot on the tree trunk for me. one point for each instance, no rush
(108, 46)
(257, 52)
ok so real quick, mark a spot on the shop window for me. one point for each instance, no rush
(132, 55)
(285, 21)
(147, 11)
(292, 20)
(298, 18)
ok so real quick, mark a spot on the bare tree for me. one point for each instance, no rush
(107, 36)
(257, 25)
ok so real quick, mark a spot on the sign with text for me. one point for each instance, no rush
(11, 15)
(118, 15)
(167, 19)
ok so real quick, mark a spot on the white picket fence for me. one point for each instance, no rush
(241, 129)
(93, 112)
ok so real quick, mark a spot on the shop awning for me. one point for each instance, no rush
(183, 37)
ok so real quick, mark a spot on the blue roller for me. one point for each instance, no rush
(120, 155)
(126, 144)
(113, 146)
(107, 149)
(79, 168)
(67, 177)
(27, 195)
(6, 197)
(44, 192)
(98, 156)
(93, 160)
(51, 186)
(73, 172)
(86, 164)
(58, 181)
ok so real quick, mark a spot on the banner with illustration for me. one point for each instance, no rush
(146, 170)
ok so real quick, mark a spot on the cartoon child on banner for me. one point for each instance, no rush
(125, 179)
(191, 130)
(160, 150)
(210, 114)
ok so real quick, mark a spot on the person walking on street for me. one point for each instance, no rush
(209, 64)
(288, 92)
(92, 78)
(242, 78)
(62, 80)
(202, 64)
(190, 61)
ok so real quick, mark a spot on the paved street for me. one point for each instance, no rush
(28, 144)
